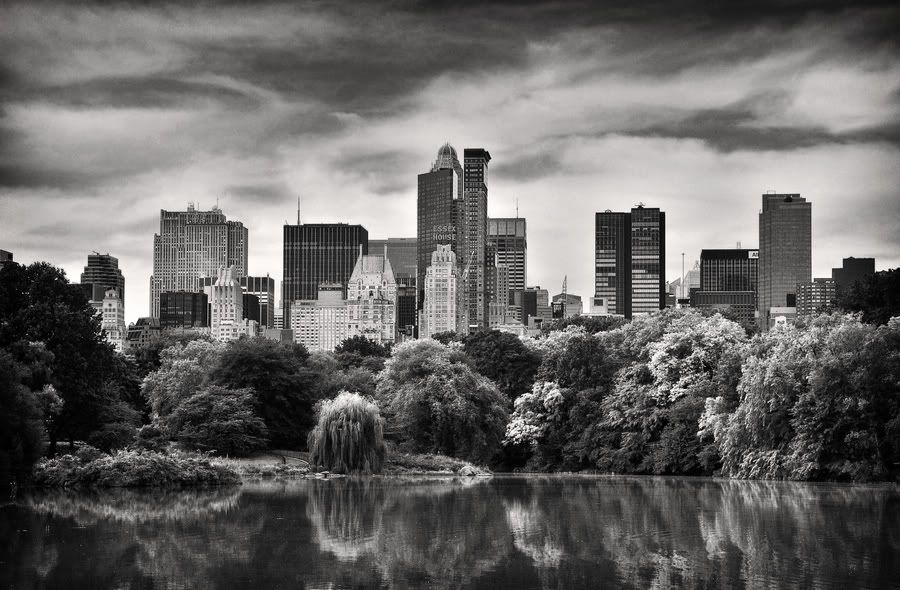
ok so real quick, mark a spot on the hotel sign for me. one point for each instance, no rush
(443, 233)
(753, 254)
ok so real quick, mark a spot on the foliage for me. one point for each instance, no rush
(590, 324)
(219, 419)
(133, 468)
(151, 438)
(447, 337)
(331, 377)
(877, 297)
(504, 359)
(439, 404)
(39, 309)
(349, 435)
(282, 384)
(184, 370)
(21, 421)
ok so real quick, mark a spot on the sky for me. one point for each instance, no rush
(110, 112)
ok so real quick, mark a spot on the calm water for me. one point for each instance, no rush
(506, 532)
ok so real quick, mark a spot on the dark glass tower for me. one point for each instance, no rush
(475, 233)
(785, 252)
(264, 289)
(508, 235)
(102, 273)
(630, 260)
(317, 253)
(439, 206)
(183, 309)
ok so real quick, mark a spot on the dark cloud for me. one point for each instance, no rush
(260, 193)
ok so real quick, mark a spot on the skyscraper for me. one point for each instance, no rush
(102, 272)
(440, 213)
(785, 254)
(508, 235)
(630, 260)
(372, 299)
(316, 253)
(475, 230)
(191, 244)
(439, 312)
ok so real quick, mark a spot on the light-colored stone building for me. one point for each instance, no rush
(372, 298)
(227, 307)
(113, 319)
(323, 323)
(439, 307)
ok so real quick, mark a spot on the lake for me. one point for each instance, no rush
(498, 533)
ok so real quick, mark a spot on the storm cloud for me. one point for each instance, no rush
(111, 112)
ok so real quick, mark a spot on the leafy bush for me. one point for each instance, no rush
(219, 419)
(349, 436)
(151, 438)
(133, 468)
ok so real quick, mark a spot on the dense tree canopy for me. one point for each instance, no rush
(504, 359)
(877, 297)
(219, 419)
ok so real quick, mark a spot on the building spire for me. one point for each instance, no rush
(298, 209)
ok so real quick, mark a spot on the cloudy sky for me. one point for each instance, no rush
(109, 113)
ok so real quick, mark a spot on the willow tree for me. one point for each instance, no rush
(349, 435)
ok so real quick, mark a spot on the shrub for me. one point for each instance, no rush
(219, 419)
(349, 436)
(132, 468)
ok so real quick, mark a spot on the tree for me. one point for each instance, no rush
(349, 435)
(219, 419)
(439, 404)
(504, 359)
(590, 324)
(446, 337)
(21, 422)
(183, 371)
(877, 297)
(283, 385)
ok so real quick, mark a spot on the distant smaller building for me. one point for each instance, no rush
(113, 319)
(814, 297)
(852, 270)
(322, 323)
(143, 333)
(226, 301)
(567, 307)
(5, 257)
(278, 335)
(182, 310)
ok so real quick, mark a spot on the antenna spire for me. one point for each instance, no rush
(298, 209)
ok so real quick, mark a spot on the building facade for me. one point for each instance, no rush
(316, 253)
(729, 281)
(630, 260)
(321, 323)
(475, 229)
(439, 313)
(566, 306)
(439, 215)
(183, 310)
(113, 319)
(102, 272)
(508, 237)
(191, 244)
(227, 307)
(852, 270)
(372, 299)
(402, 254)
(785, 253)
(143, 334)
(263, 288)
(815, 297)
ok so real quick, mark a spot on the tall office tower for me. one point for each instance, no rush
(113, 319)
(372, 299)
(815, 297)
(101, 273)
(785, 254)
(402, 253)
(440, 213)
(316, 253)
(852, 270)
(191, 244)
(183, 310)
(728, 283)
(264, 289)
(475, 232)
(498, 289)
(630, 260)
(227, 306)
(508, 236)
(439, 312)
(321, 323)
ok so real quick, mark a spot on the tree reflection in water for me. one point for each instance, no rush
(506, 532)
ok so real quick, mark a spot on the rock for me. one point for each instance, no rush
(468, 471)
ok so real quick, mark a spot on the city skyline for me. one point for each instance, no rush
(578, 113)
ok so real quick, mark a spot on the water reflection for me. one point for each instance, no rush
(507, 532)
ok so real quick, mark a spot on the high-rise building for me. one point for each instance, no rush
(439, 312)
(508, 236)
(630, 260)
(227, 305)
(263, 288)
(440, 214)
(785, 254)
(183, 310)
(475, 234)
(372, 299)
(113, 319)
(852, 270)
(402, 253)
(101, 273)
(728, 283)
(316, 253)
(321, 323)
(191, 244)
(815, 297)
